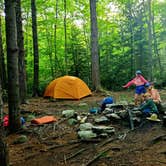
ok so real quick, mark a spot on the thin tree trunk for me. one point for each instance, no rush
(65, 32)
(56, 60)
(35, 49)
(150, 40)
(21, 57)
(4, 160)
(156, 46)
(12, 66)
(94, 47)
(2, 61)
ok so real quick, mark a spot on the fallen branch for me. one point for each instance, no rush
(108, 141)
(97, 156)
(157, 139)
(77, 153)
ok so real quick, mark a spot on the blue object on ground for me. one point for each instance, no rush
(93, 110)
(108, 100)
(22, 120)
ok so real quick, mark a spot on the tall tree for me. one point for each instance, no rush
(2, 62)
(3, 146)
(35, 49)
(94, 46)
(65, 32)
(12, 66)
(150, 38)
(21, 57)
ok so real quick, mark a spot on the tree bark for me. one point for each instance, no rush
(35, 49)
(94, 47)
(65, 51)
(4, 160)
(2, 62)
(21, 57)
(12, 66)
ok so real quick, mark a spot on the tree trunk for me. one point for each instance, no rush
(35, 49)
(21, 57)
(156, 46)
(150, 40)
(12, 66)
(3, 146)
(2, 62)
(66, 70)
(94, 47)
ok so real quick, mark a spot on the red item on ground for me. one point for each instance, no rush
(43, 120)
(6, 121)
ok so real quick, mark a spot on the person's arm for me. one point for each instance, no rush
(129, 84)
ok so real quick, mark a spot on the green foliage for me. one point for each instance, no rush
(122, 36)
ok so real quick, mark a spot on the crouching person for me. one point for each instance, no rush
(148, 107)
(105, 101)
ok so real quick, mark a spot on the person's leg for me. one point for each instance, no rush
(136, 99)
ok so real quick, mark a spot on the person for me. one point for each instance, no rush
(148, 107)
(154, 94)
(139, 81)
(104, 102)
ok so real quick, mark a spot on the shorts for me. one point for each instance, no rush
(140, 89)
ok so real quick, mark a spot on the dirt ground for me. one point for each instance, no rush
(57, 144)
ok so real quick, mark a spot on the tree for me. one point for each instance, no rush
(94, 47)
(21, 57)
(35, 49)
(3, 146)
(12, 66)
(2, 62)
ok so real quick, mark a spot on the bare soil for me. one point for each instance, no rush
(57, 144)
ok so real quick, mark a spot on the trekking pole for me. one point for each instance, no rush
(131, 119)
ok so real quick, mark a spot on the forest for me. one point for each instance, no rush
(102, 42)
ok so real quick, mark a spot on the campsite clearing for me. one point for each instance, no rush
(57, 144)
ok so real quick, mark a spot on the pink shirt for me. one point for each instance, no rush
(138, 81)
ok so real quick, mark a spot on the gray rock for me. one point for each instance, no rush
(86, 134)
(72, 121)
(102, 119)
(113, 116)
(123, 113)
(103, 129)
(108, 110)
(86, 126)
(68, 113)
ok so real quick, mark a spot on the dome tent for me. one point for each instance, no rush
(67, 87)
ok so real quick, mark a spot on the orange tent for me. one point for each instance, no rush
(67, 87)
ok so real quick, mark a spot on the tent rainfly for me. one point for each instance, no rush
(67, 87)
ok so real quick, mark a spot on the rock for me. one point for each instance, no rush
(86, 134)
(86, 126)
(83, 104)
(113, 116)
(137, 119)
(123, 114)
(68, 113)
(102, 119)
(72, 121)
(137, 113)
(103, 129)
(108, 110)
(21, 139)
